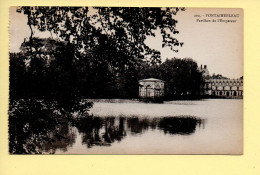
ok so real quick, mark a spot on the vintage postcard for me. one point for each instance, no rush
(125, 80)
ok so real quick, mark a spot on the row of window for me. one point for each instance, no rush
(227, 83)
(150, 92)
(232, 93)
(225, 88)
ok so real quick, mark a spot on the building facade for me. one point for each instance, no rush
(151, 88)
(222, 87)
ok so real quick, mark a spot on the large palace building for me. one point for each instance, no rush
(222, 87)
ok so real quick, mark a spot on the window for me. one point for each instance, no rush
(157, 93)
(148, 91)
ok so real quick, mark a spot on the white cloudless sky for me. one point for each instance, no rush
(218, 45)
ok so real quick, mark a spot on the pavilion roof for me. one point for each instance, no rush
(151, 79)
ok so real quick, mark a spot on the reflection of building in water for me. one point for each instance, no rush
(151, 88)
(221, 86)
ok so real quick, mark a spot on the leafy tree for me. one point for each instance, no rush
(17, 75)
(46, 70)
(36, 127)
(218, 76)
(100, 50)
(107, 43)
(181, 77)
(126, 28)
(153, 71)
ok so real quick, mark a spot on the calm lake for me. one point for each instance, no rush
(212, 126)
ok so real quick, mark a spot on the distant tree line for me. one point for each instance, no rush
(181, 76)
(46, 70)
(218, 76)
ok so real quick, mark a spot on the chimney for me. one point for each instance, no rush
(205, 66)
(201, 66)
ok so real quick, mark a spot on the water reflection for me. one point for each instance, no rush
(41, 131)
(102, 131)
(177, 125)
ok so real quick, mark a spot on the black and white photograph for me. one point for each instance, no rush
(125, 80)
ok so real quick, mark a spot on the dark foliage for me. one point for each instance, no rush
(104, 47)
(218, 76)
(36, 127)
(126, 28)
(181, 76)
(55, 76)
(98, 52)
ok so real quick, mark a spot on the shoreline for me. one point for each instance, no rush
(119, 100)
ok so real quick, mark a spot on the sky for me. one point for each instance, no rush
(219, 45)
